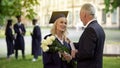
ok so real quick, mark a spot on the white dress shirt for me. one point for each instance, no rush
(89, 22)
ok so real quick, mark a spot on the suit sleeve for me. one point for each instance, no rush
(87, 44)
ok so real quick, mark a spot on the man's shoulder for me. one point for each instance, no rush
(94, 25)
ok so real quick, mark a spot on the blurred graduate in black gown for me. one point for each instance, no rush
(20, 31)
(36, 40)
(9, 38)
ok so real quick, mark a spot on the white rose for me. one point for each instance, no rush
(42, 45)
(44, 42)
(44, 48)
(49, 41)
(52, 38)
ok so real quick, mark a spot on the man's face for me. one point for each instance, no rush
(19, 19)
(82, 17)
(33, 23)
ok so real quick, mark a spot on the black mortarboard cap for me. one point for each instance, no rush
(34, 20)
(57, 14)
(9, 20)
(18, 16)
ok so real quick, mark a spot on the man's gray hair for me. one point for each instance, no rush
(89, 8)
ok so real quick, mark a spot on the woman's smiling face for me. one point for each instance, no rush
(61, 24)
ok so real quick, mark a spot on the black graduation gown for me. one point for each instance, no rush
(52, 60)
(36, 41)
(19, 40)
(9, 41)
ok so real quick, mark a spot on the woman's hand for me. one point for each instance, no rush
(67, 56)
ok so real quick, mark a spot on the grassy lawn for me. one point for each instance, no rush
(2, 33)
(20, 63)
(109, 62)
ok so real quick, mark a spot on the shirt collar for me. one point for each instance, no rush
(61, 41)
(19, 23)
(89, 22)
(36, 25)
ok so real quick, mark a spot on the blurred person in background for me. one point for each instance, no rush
(36, 40)
(20, 31)
(9, 38)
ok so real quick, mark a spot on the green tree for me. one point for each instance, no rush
(110, 5)
(11, 8)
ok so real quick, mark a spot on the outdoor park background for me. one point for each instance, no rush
(109, 21)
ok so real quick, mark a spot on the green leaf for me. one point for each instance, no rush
(10, 8)
(111, 3)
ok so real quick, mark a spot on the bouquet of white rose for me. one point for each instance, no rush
(51, 44)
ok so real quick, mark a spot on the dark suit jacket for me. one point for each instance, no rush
(90, 46)
(36, 41)
(19, 41)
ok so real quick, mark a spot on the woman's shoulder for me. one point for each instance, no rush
(47, 36)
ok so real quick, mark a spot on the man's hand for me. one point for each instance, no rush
(20, 31)
(73, 53)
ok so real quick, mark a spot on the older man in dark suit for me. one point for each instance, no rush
(91, 42)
